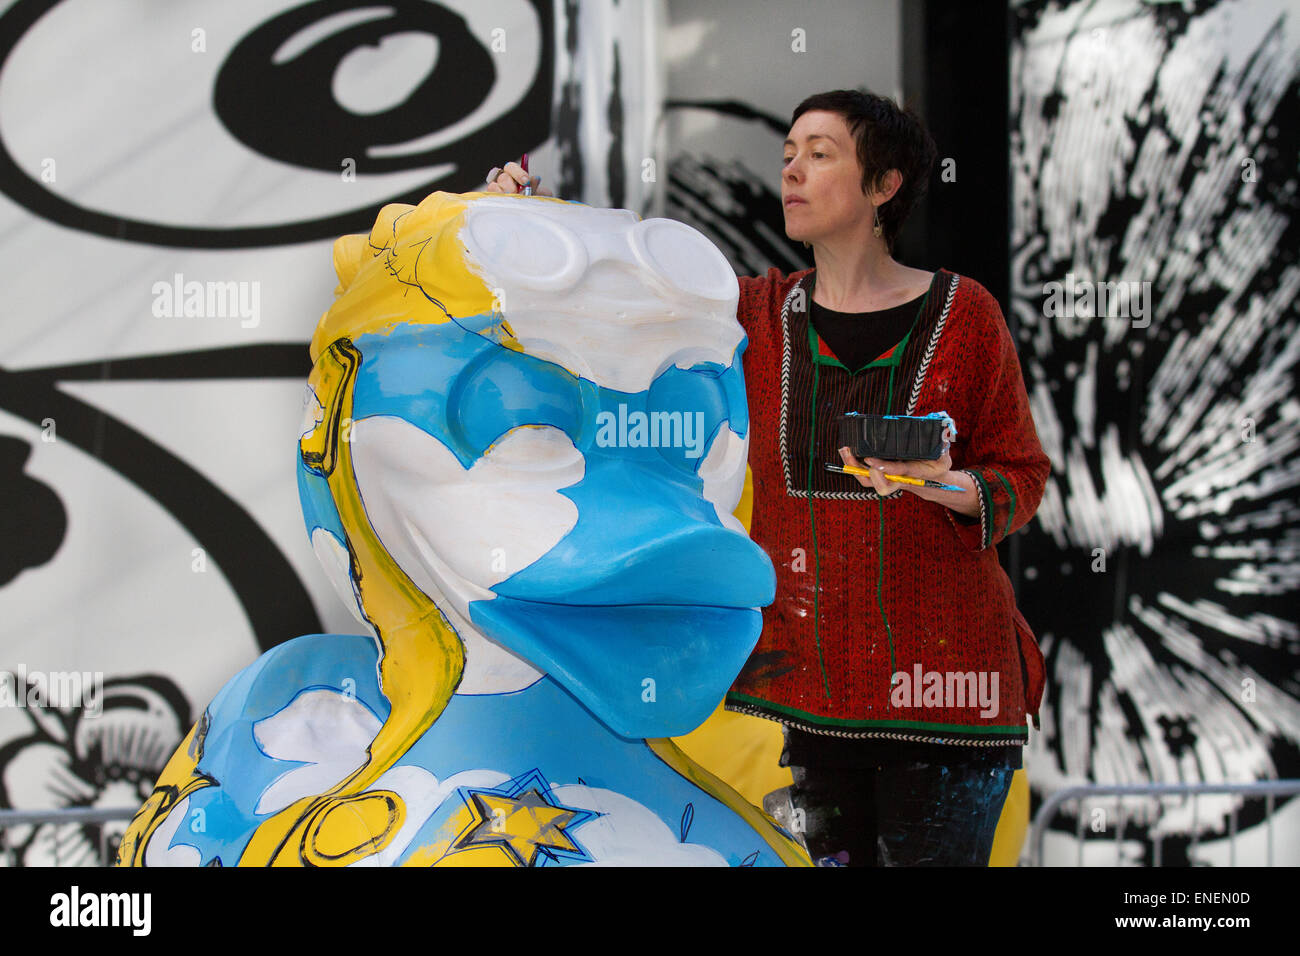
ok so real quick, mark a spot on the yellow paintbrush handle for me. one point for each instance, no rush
(905, 480)
(866, 473)
(853, 470)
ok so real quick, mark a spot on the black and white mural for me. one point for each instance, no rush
(172, 177)
(1156, 268)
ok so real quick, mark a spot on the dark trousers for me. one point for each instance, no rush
(905, 812)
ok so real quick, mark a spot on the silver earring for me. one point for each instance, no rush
(877, 228)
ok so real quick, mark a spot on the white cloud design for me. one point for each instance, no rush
(327, 731)
(630, 834)
(160, 852)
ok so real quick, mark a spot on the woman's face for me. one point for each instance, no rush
(821, 180)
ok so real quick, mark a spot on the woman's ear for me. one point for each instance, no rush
(890, 182)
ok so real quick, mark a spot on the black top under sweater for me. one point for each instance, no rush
(858, 338)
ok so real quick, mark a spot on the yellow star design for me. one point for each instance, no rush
(521, 825)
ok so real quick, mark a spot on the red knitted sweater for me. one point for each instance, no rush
(871, 587)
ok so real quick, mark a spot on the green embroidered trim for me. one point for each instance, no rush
(812, 520)
(986, 729)
(817, 357)
(880, 589)
(880, 572)
(1011, 512)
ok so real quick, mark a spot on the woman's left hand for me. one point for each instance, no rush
(936, 470)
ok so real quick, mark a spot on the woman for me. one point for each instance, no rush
(894, 655)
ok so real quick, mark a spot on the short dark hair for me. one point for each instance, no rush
(888, 137)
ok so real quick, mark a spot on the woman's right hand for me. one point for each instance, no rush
(513, 179)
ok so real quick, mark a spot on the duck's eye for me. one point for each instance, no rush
(688, 405)
(532, 251)
(505, 390)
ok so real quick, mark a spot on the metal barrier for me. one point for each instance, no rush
(1269, 790)
(68, 816)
